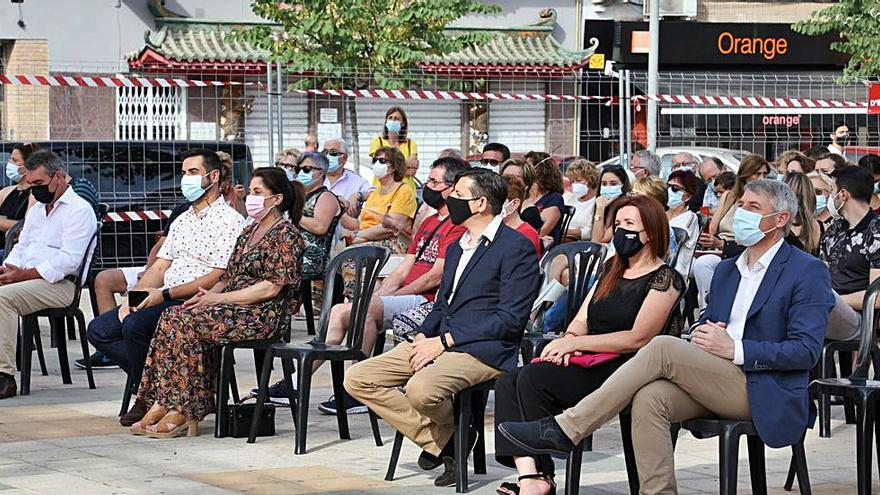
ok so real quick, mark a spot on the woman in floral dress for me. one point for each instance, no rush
(252, 301)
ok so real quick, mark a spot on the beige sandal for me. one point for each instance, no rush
(173, 425)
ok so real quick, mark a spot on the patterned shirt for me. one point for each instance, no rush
(851, 253)
(200, 242)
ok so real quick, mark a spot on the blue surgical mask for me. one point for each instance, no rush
(291, 175)
(685, 168)
(12, 172)
(747, 227)
(305, 178)
(876, 187)
(393, 126)
(334, 163)
(191, 187)
(821, 203)
(674, 198)
(612, 192)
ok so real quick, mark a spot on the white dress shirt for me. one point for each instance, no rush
(467, 252)
(749, 283)
(55, 244)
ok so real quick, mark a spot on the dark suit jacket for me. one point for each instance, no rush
(782, 338)
(696, 201)
(495, 295)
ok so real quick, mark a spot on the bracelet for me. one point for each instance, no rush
(443, 341)
(569, 332)
(166, 294)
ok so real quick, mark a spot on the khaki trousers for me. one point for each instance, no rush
(668, 381)
(24, 298)
(423, 413)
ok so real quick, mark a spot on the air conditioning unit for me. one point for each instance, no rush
(673, 8)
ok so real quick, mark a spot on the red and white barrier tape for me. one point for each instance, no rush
(420, 94)
(136, 216)
(754, 101)
(109, 82)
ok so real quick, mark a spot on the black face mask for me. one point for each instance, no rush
(627, 243)
(459, 209)
(42, 193)
(433, 198)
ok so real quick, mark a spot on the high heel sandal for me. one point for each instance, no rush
(153, 416)
(514, 487)
(174, 429)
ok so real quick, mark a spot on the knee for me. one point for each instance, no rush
(423, 396)
(659, 346)
(353, 381)
(101, 327)
(650, 401)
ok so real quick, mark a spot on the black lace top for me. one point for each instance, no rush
(619, 309)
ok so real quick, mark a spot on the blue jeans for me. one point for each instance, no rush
(554, 318)
(127, 343)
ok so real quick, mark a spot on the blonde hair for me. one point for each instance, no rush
(585, 170)
(652, 186)
(225, 165)
(288, 152)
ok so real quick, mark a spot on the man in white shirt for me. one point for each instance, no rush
(194, 255)
(839, 139)
(41, 270)
(749, 358)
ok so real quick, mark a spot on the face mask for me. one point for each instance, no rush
(843, 140)
(291, 176)
(12, 172)
(433, 198)
(675, 198)
(821, 203)
(747, 227)
(579, 190)
(256, 206)
(393, 126)
(493, 168)
(685, 168)
(305, 178)
(627, 243)
(459, 209)
(42, 193)
(833, 208)
(380, 170)
(876, 186)
(508, 209)
(334, 163)
(612, 192)
(191, 187)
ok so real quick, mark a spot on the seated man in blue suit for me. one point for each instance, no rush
(472, 335)
(749, 356)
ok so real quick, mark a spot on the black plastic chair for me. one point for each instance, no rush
(729, 433)
(12, 238)
(681, 237)
(565, 222)
(827, 369)
(470, 410)
(367, 261)
(305, 290)
(30, 330)
(860, 390)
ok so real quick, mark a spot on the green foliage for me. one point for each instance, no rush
(858, 22)
(355, 44)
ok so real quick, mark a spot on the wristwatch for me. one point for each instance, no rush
(166, 294)
(443, 341)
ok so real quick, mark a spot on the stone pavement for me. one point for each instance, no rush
(64, 439)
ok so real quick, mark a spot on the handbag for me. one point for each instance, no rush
(239, 417)
(587, 360)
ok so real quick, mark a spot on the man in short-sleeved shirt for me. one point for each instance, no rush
(851, 247)
(194, 254)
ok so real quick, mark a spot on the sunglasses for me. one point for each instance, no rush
(489, 161)
(380, 159)
(331, 153)
(309, 170)
(284, 165)
(676, 189)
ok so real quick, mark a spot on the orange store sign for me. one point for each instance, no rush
(769, 48)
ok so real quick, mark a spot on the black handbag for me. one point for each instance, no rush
(239, 417)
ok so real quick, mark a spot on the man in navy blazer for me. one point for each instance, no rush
(490, 280)
(749, 356)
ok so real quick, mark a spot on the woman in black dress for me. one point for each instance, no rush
(14, 198)
(628, 306)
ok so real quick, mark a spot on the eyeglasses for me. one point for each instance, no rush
(676, 189)
(380, 159)
(331, 153)
(489, 161)
(284, 165)
(437, 183)
(309, 170)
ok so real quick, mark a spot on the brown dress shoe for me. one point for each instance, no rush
(7, 386)
(135, 414)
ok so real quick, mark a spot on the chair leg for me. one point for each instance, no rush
(261, 396)
(846, 366)
(629, 455)
(126, 396)
(395, 455)
(220, 426)
(81, 323)
(56, 326)
(757, 466)
(38, 345)
(573, 470)
(479, 421)
(305, 295)
(71, 329)
(337, 374)
(864, 445)
(799, 456)
(233, 384)
(588, 444)
(374, 425)
(826, 364)
(26, 344)
(462, 432)
(304, 389)
(728, 456)
(287, 370)
(792, 473)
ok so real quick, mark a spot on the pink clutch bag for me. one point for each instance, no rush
(587, 360)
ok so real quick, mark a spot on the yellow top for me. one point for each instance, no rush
(408, 148)
(400, 200)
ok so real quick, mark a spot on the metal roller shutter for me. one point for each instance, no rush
(521, 125)
(256, 130)
(434, 126)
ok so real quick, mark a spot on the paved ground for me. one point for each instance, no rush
(64, 439)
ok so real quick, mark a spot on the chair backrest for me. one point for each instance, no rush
(84, 267)
(585, 262)
(565, 222)
(866, 332)
(12, 237)
(367, 261)
(681, 237)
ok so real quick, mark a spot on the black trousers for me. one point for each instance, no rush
(537, 391)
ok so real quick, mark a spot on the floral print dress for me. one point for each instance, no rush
(180, 370)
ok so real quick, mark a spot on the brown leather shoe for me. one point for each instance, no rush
(135, 414)
(7, 386)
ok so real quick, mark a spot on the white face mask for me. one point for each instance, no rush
(579, 190)
(380, 170)
(832, 206)
(508, 209)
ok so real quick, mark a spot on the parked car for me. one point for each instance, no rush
(133, 176)
(730, 158)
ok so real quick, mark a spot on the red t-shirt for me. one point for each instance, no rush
(446, 234)
(532, 235)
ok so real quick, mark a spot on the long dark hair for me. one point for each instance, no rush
(656, 228)
(293, 195)
(26, 150)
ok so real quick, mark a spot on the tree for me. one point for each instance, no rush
(858, 22)
(356, 44)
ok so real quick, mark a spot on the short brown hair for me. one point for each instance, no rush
(548, 177)
(527, 169)
(516, 189)
(395, 159)
(807, 163)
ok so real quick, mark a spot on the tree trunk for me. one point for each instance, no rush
(354, 152)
